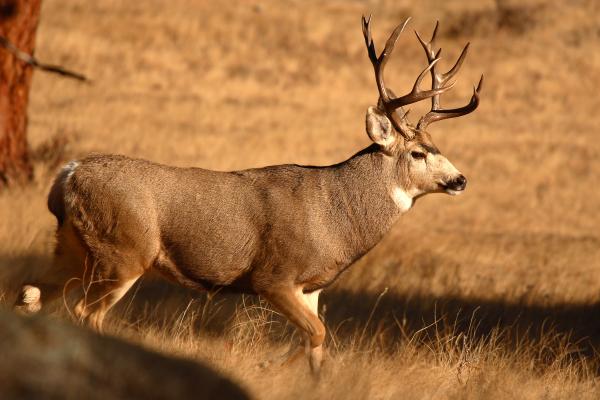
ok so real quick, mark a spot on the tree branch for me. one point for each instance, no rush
(31, 60)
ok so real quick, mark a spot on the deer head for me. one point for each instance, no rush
(420, 168)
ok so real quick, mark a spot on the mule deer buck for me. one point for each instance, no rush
(284, 232)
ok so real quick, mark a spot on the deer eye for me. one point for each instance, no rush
(417, 155)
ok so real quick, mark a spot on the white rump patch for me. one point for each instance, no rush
(70, 168)
(403, 200)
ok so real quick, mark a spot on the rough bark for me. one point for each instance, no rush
(18, 23)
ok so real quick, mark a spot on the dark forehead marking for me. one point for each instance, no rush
(423, 139)
(430, 149)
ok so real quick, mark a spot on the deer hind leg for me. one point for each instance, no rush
(68, 261)
(107, 277)
(315, 353)
(99, 296)
(301, 309)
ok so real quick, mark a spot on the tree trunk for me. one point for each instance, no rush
(18, 24)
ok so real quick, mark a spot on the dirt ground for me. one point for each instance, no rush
(494, 294)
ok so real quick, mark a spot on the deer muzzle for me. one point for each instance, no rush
(455, 185)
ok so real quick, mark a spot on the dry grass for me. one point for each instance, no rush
(493, 295)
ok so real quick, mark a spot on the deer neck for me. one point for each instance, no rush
(372, 198)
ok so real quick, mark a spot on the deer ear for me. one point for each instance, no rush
(379, 128)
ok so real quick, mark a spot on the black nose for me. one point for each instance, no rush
(458, 183)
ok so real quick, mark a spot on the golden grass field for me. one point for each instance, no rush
(491, 295)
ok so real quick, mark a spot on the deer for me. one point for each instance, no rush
(283, 232)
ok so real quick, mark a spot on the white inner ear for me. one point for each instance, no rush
(379, 128)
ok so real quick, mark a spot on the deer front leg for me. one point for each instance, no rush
(301, 310)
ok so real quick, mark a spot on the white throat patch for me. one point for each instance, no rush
(403, 200)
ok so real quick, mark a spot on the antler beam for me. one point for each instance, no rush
(389, 104)
(439, 80)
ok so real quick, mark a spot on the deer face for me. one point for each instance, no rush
(425, 169)
(420, 168)
(418, 165)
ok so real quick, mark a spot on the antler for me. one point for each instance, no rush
(389, 104)
(439, 80)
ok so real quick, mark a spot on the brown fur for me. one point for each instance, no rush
(284, 232)
(278, 231)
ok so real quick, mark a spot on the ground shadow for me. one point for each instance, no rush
(17, 269)
(391, 316)
(405, 314)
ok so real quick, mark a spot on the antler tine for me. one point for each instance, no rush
(429, 46)
(416, 94)
(380, 61)
(384, 57)
(368, 39)
(391, 42)
(438, 80)
(438, 115)
(379, 66)
(463, 54)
